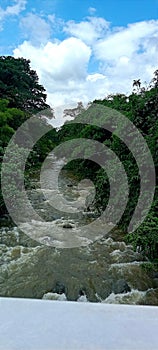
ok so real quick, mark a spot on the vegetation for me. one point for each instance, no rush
(19, 85)
(21, 95)
(141, 108)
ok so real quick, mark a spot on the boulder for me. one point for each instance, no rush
(120, 286)
(59, 288)
(67, 225)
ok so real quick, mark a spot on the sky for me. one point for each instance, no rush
(82, 49)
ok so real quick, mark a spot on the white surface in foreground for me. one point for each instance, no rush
(27, 324)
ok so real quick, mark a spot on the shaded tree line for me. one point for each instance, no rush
(141, 108)
(21, 96)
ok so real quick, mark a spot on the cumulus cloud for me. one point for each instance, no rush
(129, 53)
(92, 10)
(57, 23)
(64, 61)
(35, 28)
(13, 9)
(62, 68)
(88, 31)
(135, 38)
(93, 61)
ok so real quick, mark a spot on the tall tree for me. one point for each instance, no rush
(19, 84)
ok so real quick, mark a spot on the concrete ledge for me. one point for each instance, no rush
(27, 324)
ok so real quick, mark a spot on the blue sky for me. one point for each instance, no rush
(118, 12)
(82, 49)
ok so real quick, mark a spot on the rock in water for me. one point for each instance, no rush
(121, 286)
(59, 288)
(67, 225)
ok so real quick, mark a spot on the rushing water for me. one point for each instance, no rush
(106, 270)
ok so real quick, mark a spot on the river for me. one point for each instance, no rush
(45, 260)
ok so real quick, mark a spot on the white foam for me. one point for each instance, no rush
(54, 296)
(83, 299)
(132, 297)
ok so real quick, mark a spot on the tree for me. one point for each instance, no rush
(155, 79)
(10, 120)
(137, 83)
(19, 85)
(141, 108)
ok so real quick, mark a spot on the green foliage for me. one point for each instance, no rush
(13, 175)
(147, 267)
(10, 120)
(20, 96)
(146, 236)
(19, 85)
(141, 108)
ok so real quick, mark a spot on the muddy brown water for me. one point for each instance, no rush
(30, 268)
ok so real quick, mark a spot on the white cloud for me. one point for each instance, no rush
(13, 9)
(92, 10)
(128, 54)
(127, 41)
(35, 28)
(122, 54)
(62, 69)
(64, 61)
(56, 23)
(88, 31)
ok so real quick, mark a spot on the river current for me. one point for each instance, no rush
(99, 267)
